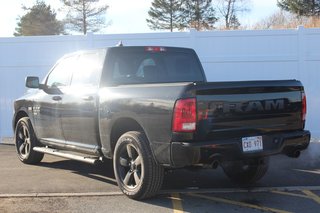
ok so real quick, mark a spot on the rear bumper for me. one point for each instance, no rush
(187, 154)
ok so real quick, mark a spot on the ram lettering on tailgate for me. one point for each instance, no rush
(267, 105)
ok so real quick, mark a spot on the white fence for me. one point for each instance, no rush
(225, 55)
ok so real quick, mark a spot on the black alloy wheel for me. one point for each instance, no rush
(138, 175)
(131, 167)
(25, 140)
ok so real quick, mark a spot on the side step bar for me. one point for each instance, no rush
(55, 152)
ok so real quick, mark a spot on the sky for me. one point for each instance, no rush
(126, 16)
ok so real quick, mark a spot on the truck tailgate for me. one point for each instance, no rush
(237, 109)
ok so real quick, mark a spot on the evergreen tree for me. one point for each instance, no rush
(39, 20)
(85, 15)
(301, 7)
(234, 22)
(165, 14)
(198, 14)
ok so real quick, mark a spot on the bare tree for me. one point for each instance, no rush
(286, 20)
(274, 21)
(84, 15)
(229, 10)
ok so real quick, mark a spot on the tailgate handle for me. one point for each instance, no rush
(56, 98)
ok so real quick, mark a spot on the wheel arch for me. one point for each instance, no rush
(20, 114)
(123, 125)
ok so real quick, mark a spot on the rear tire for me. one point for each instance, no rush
(246, 173)
(25, 140)
(137, 173)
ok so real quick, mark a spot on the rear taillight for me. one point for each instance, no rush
(184, 115)
(304, 106)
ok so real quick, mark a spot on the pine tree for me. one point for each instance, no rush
(165, 15)
(234, 22)
(39, 20)
(198, 14)
(85, 15)
(301, 7)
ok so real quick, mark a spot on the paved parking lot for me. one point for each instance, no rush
(59, 185)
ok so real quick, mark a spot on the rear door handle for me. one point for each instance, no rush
(87, 98)
(56, 98)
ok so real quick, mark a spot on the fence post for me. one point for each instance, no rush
(89, 36)
(1, 102)
(193, 34)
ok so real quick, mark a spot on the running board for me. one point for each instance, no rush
(56, 152)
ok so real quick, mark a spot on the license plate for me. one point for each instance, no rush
(251, 144)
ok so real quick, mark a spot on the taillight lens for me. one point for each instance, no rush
(304, 106)
(184, 115)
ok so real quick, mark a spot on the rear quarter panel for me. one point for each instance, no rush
(151, 105)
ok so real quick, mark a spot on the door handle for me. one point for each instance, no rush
(56, 98)
(87, 98)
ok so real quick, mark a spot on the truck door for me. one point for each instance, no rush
(79, 106)
(46, 107)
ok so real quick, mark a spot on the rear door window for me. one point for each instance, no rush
(88, 68)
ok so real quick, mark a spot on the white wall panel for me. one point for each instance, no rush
(226, 56)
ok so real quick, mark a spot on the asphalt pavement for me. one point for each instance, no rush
(60, 185)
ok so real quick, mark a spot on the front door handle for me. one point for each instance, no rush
(56, 98)
(87, 98)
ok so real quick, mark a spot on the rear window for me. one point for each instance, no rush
(133, 66)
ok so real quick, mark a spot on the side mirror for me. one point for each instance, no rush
(32, 82)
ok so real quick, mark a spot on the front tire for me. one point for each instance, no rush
(246, 172)
(138, 175)
(25, 140)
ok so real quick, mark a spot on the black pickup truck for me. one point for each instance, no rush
(151, 109)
